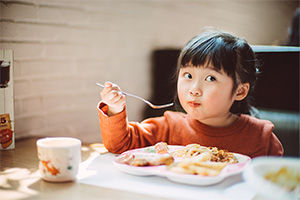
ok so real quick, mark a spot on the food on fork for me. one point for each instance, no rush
(146, 159)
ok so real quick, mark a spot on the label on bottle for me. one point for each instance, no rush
(6, 132)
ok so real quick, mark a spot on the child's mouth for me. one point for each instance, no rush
(193, 104)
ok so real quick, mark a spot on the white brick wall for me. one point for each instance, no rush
(62, 47)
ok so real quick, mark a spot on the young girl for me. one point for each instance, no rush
(215, 73)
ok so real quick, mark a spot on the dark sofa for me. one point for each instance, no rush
(286, 128)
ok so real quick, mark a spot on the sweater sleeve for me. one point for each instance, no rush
(119, 135)
(275, 147)
(266, 142)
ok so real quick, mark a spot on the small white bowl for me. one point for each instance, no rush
(259, 167)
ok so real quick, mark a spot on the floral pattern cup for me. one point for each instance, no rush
(59, 158)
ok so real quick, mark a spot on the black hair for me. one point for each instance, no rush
(224, 51)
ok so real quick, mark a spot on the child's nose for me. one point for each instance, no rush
(195, 92)
(195, 89)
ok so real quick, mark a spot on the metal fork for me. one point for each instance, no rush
(144, 100)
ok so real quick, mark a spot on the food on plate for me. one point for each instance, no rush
(191, 164)
(146, 159)
(190, 150)
(190, 159)
(288, 178)
(197, 167)
(219, 155)
(205, 153)
(201, 160)
(161, 148)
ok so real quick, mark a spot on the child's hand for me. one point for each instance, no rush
(113, 97)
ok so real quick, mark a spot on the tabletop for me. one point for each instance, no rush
(100, 179)
(19, 178)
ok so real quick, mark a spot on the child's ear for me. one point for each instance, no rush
(242, 91)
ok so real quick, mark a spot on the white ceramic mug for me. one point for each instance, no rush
(59, 158)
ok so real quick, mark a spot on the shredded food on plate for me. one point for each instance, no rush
(200, 160)
(208, 153)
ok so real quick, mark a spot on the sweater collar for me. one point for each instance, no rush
(232, 129)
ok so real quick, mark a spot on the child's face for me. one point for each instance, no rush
(205, 94)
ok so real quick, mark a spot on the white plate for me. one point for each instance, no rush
(254, 176)
(229, 170)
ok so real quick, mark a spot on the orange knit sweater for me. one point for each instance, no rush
(247, 135)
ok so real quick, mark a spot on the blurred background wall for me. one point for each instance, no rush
(63, 47)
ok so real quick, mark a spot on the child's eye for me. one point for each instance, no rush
(187, 75)
(210, 78)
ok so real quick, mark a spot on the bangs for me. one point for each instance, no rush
(214, 51)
